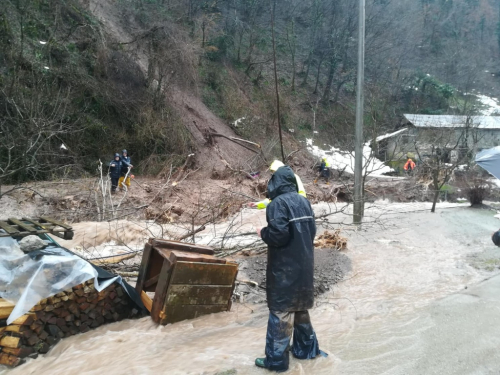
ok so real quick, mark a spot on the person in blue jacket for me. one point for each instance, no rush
(115, 170)
(289, 235)
(126, 166)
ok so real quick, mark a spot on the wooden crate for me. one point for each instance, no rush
(187, 279)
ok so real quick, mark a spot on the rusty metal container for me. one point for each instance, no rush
(187, 281)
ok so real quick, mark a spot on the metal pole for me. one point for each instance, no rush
(273, 10)
(358, 156)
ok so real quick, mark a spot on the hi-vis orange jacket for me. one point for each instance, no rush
(410, 164)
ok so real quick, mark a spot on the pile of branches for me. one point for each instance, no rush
(331, 241)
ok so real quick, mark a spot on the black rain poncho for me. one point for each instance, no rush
(289, 235)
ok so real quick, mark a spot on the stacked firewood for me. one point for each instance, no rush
(67, 313)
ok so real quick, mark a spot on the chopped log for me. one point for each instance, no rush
(33, 340)
(51, 340)
(9, 360)
(21, 352)
(14, 328)
(69, 318)
(5, 308)
(43, 335)
(24, 320)
(42, 347)
(55, 331)
(28, 333)
(38, 307)
(10, 342)
(38, 329)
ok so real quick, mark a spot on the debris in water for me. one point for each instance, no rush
(331, 241)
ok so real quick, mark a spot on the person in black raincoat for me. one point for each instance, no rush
(115, 170)
(290, 269)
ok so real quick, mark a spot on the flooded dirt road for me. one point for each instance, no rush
(415, 302)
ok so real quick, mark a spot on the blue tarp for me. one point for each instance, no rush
(490, 160)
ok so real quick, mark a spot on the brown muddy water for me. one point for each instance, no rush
(391, 315)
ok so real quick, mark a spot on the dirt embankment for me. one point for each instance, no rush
(187, 196)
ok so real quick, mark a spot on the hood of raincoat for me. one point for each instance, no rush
(282, 182)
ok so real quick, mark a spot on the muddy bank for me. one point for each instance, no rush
(330, 267)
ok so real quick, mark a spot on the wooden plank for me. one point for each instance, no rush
(198, 295)
(181, 312)
(182, 256)
(143, 268)
(161, 290)
(230, 301)
(55, 222)
(183, 246)
(27, 227)
(8, 228)
(5, 308)
(152, 281)
(46, 226)
(147, 301)
(9, 360)
(196, 273)
(10, 342)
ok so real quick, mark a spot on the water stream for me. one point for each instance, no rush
(378, 321)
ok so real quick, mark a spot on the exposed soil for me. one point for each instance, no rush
(194, 198)
(331, 266)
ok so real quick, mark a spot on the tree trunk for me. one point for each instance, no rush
(331, 73)
(239, 47)
(308, 62)
(317, 75)
(434, 201)
(203, 34)
(435, 183)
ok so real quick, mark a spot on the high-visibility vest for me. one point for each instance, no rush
(300, 187)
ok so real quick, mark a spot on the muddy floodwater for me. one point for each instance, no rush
(415, 302)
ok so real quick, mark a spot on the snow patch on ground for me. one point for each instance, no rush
(490, 105)
(344, 160)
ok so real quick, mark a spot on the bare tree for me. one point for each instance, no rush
(33, 128)
(441, 150)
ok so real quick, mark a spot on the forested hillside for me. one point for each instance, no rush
(98, 76)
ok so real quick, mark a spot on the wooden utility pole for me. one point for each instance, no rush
(358, 209)
(273, 10)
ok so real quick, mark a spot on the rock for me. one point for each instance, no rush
(31, 243)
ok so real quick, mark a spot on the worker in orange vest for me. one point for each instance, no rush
(409, 166)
